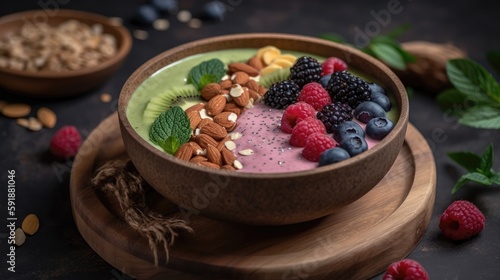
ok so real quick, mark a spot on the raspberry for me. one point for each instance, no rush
(461, 220)
(316, 144)
(304, 129)
(314, 94)
(294, 114)
(281, 94)
(305, 70)
(331, 65)
(406, 270)
(65, 142)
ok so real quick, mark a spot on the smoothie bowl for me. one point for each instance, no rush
(233, 127)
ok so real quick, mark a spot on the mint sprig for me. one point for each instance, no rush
(170, 129)
(476, 96)
(479, 168)
(210, 71)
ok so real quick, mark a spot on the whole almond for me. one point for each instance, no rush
(194, 119)
(47, 117)
(262, 90)
(254, 95)
(204, 122)
(197, 150)
(216, 105)
(228, 167)
(17, 110)
(198, 159)
(204, 140)
(226, 119)
(184, 152)
(227, 157)
(30, 224)
(240, 78)
(210, 90)
(238, 66)
(213, 155)
(216, 131)
(233, 108)
(222, 142)
(225, 84)
(243, 99)
(253, 85)
(208, 164)
(255, 62)
(197, 107)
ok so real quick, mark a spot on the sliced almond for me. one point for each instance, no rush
(19, 237)
(240, 78)
(194, 119)
(237, 164)
(184, 152)
(238, 66)
(255, 62)
(214, 130)
(47, 117)
(213, 155)
(209, 164)
(204, 140)
(22, 122)
(228, 157)
(230, 145)
(236, 90)
(235, 135)
(216, 105)
(246, 152)
(17, 110)
(34, 124)
(210, 91)
(204, 115)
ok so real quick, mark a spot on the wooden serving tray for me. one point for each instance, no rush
(358, 242)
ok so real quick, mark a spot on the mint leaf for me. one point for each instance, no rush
(210, 71)
(172, 123)
(494, 59)
(495, 178)
(475, 177)
(170, 145)
(486, 117)
(407, 57)
(333, 37)
(470, 161)
(487, 160)
(453, 100)
(389, 55)
(490, 86)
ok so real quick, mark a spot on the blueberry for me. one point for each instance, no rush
(376, 88)
(325, 79)
(166, 6)
(378, 128)
(354, 144)
(367, 111)
(146, 14)
(382, 100)
(333, 155)
(214, 10)
(345, 128)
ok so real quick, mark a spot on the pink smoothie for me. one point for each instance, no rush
(260, 127)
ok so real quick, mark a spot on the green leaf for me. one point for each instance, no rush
(333, 37)
(486, 117)
(490, 86)
(475, 177)
(407, 57)
(389, 55)
(172, 123)
(470, 161)
(210, 71)
(487, 160)
(495, 178)
(494, 59)
(451, 99)
(171, 145)
(410, 91)
(398, 31)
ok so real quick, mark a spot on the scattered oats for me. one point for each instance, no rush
(184, 16)
(237, 164)
(246, 152)
(19, 237)
(235, 135)
(194, 23)
(141, 34)
(22, 122)
(34, 124)
(106, 97)
(161, 24)
(230, 145)
(116, 21)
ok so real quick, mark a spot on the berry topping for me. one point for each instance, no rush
(305, 70)
(368, 110)
(316, 144)
(282, 94)
(382, 100)
(333, 155)
(461, 220)
(347, 88)
(324, 80)
(65, 143)
(378, 128)
(333, 64)
(406, 270)
(346, 128)
(333, 114)
(305, 128)
(314, 94)
(376, 88)
(354, 144)
(294, 114)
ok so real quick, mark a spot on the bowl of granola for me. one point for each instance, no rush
(62, 54)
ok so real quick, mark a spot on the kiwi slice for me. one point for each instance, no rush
(183, 96)
(274, 77)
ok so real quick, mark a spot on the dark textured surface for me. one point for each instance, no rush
(57, 251)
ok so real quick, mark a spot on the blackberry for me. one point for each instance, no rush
(282, 94)
(347, 88)
(305, 70)
(334, 114)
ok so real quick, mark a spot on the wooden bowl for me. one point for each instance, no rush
(258, 198)
(64, 83)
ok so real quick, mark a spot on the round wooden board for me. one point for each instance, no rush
(358, 242)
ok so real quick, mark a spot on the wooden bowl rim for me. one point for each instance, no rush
(126, 93)
(124, 38)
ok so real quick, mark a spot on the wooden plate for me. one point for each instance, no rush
(358, 242)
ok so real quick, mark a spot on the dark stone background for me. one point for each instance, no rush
(58, 251)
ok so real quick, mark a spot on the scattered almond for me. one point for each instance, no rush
(228, 157)
(19, 237)
(243, 98)
(196, 159)
(22, 122)
(235, 135)
(225, 84)
(197, 150)
(254, 95)
(255, 62)
(204, 122)
(30, 224)
(105, 98)
(47, 117)
(213, 155)
(210, 91)
(233, 108)
(246, 152)
(204, 140)
(216, 105)
(238, 66)
(221, 145)
(17, 110)
(197, 107)
(226, 119)
(230, 145)
(228, 167)
(184, 152)
(216, 131)
(240, 78)
(194, 119)
(209, 164)
(237, 164)
(253, 85)
(34, 124)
